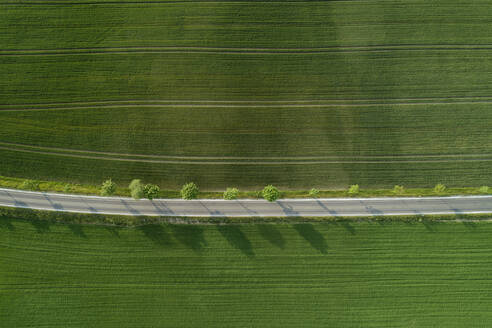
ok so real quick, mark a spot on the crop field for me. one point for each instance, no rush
(245, 93)
(323, 275)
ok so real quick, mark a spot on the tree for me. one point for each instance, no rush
(151, 191)
(353, 190)
(29, 185)
(398, 190)
(108, 188)
(136, 189)
(231, 193)
(484, 190)
(271, 193)
(189, 191)
(439, 188)
(314, 193)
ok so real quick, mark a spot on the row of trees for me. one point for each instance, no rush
(190, 190)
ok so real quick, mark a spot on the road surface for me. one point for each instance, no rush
(244, 208)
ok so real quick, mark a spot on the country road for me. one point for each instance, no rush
(247, 208)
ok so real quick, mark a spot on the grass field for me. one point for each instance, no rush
(298, 94)
(343, 275)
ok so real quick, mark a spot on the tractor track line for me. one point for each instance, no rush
(239, 163)
(220, 158)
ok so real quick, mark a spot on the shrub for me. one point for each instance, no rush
(398, 190)
(259, 194)
(67, 188)
(108, 188)
(484, 189)
(136, 189)
(231, 193)
(314, 193)
(29, 185)
(353, 190)
(151, 191)
(439, 188)
(189, 191)
(270, 193)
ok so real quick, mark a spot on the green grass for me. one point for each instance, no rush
(396, 90)
(308, 275)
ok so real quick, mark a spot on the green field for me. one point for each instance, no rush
(308, 275)
(245, 93)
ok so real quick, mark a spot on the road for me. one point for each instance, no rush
(244, 208)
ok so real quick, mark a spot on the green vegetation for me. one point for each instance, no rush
(398, 190)
(439, 188)
(299, 94)
(30, 185)
(353, 190)
(343, 274)
(136, 189)
(314, 193)
(270, 193)
(108, 188)
(484, 189)
(151, 191)
(231, 193)
(189, 191)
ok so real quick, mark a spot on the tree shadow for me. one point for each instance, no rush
(6, 223)
(287, 209)
(77, 230)
(41, 226)
(323, 206)
(157, 233)
(314, 237)
(271, 233)
(162, 208)
(129, 208)
(470, 225)
(190, 235)
(236, 238)
(113, 230)
(348, 227)
(429, 225)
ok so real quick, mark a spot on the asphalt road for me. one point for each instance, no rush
(244, 208)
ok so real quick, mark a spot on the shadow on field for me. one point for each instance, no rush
(429, 225)
(313, 236)
(348, 227)
(470, 225)
(190, 235)
(271, 233)
(157, 233)
(41, 226)
(236, 238)
(113, 230)
(6, 223)
(77, 230)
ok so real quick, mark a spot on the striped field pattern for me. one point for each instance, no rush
(245, 93)
(308, 275)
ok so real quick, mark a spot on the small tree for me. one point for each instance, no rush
(136, 189)
(29, 185)
(271, 193)
(314, 193)
(67, 188)
(231, 193)
(151, 191)
(398, 190)
(108, 188)
(484, 189)
(353, 190)
(439, 188)
(189, 191)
